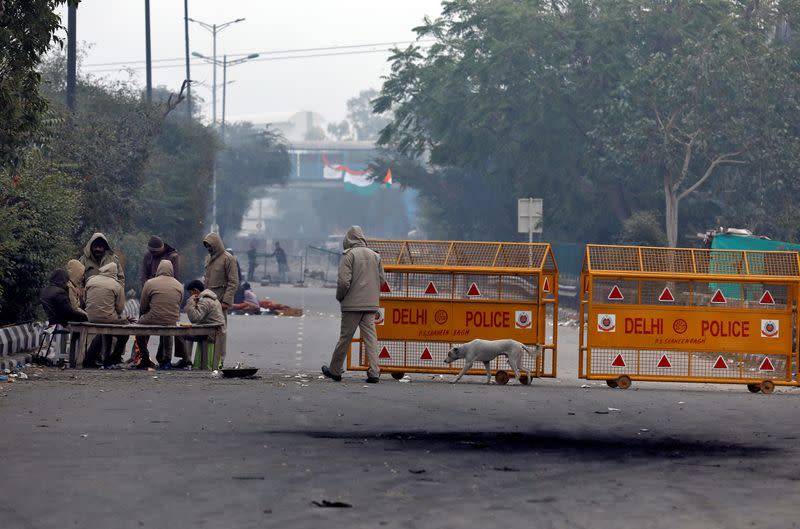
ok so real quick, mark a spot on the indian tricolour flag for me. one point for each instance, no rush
(359, 182)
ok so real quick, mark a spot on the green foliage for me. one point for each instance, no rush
(642, 228)
(366, 125)
(105, 143)
(116, 165)
(593, 105)
(38, 207)
(27, 28)
(251, 158)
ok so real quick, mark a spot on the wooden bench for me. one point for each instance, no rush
(87, 331)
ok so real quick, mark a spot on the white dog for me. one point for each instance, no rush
(486, 351)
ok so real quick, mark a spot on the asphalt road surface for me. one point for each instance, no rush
(126, 449)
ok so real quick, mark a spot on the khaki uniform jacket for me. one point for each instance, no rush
(93, 267)
(222, 273)
(207, 310)
(360, 274)
(160, 303)
(75, 271)
(105, 299)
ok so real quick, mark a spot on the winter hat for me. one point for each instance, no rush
(155, 243)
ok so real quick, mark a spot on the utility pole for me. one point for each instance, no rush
(148, 58)
(214, 90)
(224, 91)
(188, 73)
(72, 11)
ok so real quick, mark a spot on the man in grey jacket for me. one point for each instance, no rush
(358, 290)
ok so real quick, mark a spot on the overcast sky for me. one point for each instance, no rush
(115, 31)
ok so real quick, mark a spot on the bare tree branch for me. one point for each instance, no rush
(175, 99)
(719, 160)
(687, 158)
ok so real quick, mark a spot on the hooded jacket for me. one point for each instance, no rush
(360, 274)
(93, 267)
(206, 310)
(105, 299)
(161, 298)
(222, 273)
(75, 286)
(150, 264)
(55, 301)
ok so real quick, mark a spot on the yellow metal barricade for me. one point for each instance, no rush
(689, 315)
(443, 293)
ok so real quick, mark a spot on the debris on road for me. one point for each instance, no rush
(332, 504)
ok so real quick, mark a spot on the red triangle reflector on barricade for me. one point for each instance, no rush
(384, 352)
(618, 361)
(767, 298)
(766, 365)
(720, 363)
(431, 289)
(546, 285)
(718, 297)
(664, 362)
(666, 295)
(473, 290)
(615, 294)
(426, 355)
(385, 288)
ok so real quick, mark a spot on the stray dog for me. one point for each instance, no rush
(486, 351)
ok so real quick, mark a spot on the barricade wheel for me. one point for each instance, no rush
(754, 388)
(767, 387)
(501, 377)
(611, 383)
(524, 380)
(624, 382)
(398, 376)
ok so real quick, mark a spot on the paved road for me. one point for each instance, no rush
(96, 449)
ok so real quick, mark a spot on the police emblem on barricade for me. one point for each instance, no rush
(523, 319)
(607, 322)
(770, 329)
(380, 316)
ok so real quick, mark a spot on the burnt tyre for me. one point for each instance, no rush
(398, 376)
(501, 377)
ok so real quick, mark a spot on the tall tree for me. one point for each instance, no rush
(27, 29)
(366, 124)
(603, 108)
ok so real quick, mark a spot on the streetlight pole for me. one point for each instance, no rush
(225, 64)
(224, 90)
(148, 60)
(72, 16)
(214, 29)
(188, 71)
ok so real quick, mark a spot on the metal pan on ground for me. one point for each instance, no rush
(241, 372)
